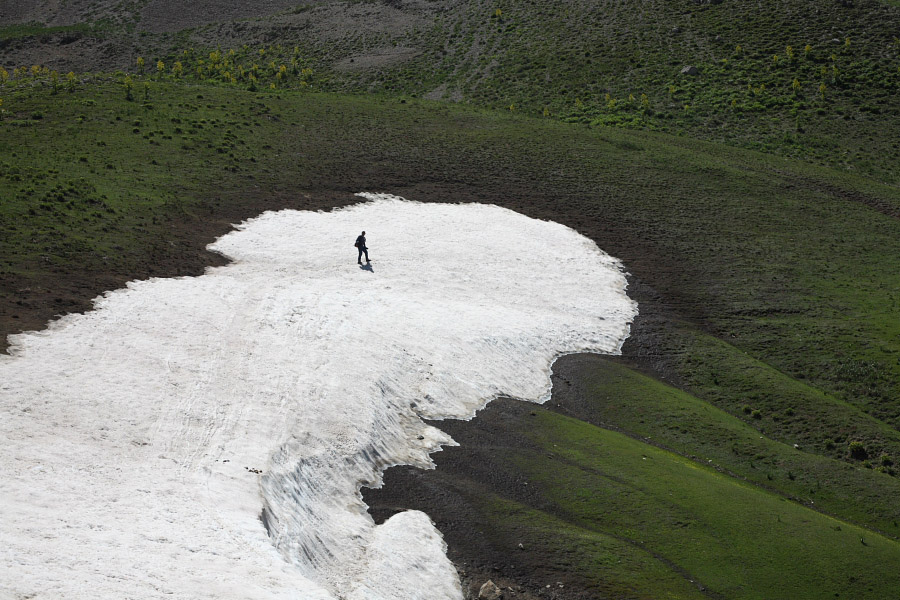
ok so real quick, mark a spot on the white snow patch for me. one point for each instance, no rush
(132, 435)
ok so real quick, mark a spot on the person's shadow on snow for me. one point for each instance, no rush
(367, 267)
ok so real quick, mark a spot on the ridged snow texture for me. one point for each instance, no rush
(132, 435)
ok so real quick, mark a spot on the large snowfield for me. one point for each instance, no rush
(206, 437)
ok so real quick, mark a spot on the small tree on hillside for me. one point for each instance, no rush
(129, 85)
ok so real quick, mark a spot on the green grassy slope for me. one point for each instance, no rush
(762, 69)
(727, 537)
(647, 410)
(812, 80)
(780, 277)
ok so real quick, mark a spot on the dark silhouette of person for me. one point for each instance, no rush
(361, 246)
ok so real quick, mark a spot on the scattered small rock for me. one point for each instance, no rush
(490, 591)
(690, 70)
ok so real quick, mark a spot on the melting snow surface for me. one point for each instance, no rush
(206, 437)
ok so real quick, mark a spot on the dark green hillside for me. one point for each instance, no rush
(816, 80)
(819, 81)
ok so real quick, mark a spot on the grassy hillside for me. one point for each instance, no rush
(813, 80)
(628, 519)
(773, 283)
(748, 442)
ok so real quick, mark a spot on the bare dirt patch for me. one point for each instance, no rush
(377, 59)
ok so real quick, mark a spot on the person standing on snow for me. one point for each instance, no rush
(361, 246)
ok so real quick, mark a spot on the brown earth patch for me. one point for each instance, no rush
(377, 59)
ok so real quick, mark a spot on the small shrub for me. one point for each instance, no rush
(756, 414)
(747, 409)
(129, 85)
(858, 450)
